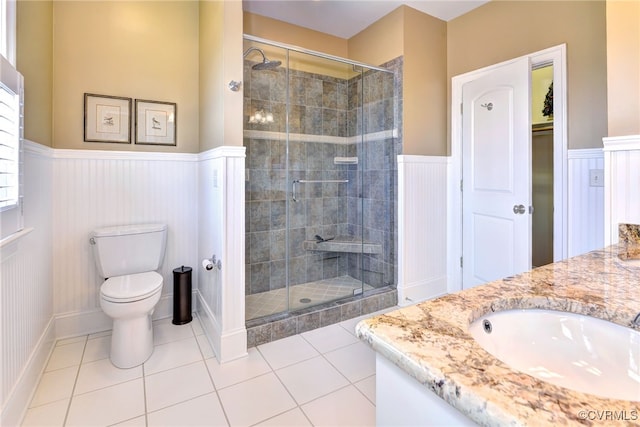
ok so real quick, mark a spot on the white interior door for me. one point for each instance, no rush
(496, 165)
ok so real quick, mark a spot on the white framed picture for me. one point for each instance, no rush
(107, 118)
(156, 122)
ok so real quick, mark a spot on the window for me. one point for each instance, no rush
(11, 126)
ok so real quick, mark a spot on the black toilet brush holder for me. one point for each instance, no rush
(182, 295)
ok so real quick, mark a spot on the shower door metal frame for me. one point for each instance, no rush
(313, 53)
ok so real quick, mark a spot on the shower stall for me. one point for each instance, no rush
(320, 183)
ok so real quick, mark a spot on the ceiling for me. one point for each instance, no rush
(346, 18)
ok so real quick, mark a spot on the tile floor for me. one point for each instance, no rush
(324, 377)
(302, 295)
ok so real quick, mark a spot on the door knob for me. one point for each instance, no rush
(518, 209)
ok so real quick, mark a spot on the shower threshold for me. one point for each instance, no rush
(302, 296)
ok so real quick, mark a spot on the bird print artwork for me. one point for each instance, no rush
(155, 123)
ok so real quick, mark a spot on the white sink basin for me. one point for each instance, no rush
(577, 352)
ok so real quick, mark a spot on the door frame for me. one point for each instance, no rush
(556, 56)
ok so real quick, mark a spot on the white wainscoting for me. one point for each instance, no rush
(103, 188)
(222, 226)
(585, 202)
(26, 291)
(422, 227)
(622, 179)
(50, 287)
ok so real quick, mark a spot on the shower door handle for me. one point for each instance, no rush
(293, 190)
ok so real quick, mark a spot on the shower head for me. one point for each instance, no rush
(266, 64)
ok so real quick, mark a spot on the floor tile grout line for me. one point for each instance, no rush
(328, 351)
(244, 381)
(298, 405)
(177, 404)
(111, 385)
(75, 381)
(336, 368)
(358, 388)
(295, 363)
(144, 394)
(216, 391)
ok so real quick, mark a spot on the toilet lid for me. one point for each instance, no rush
(131, 287)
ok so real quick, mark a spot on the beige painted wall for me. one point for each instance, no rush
(283, 32)
(220, 62)
(623, 65)
(425, 84)
(34, 59)
(501, 30)
(144, 50)
(422, 39)
(211, 95)
(380, 42)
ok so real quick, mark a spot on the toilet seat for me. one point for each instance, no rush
(131, 287)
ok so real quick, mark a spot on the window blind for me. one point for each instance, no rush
(9, 147)
(11, 133)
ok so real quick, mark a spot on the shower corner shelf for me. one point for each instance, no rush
(343, 244)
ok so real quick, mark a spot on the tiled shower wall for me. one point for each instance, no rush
(325, 121)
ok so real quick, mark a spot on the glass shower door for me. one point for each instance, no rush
(320, 179)
(323, 230)
(265, 126)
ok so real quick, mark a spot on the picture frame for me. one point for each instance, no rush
(107, 118)
(156, 122)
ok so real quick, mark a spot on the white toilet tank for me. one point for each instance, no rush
(128, 249)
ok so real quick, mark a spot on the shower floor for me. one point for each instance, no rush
(301, 296)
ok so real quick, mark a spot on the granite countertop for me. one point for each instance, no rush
(430, 341)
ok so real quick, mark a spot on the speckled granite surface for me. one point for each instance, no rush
(629, 239)
(430, 341)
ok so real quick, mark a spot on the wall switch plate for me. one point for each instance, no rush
(596, 177)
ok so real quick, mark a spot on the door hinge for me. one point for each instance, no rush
(461, 107)
(460, 185)
(460, 262)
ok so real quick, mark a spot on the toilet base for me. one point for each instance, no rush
(131, 341)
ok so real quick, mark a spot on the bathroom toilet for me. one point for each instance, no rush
(128, 257)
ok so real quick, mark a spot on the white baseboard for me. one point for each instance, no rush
(89, 322)
(212, 329)
(19, 398)
(415, 292)
(227, 346)
(233, 345)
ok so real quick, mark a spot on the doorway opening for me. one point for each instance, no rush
(542, 144)
(557, 179)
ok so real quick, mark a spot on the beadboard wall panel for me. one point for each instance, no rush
(97, 189)
(585, 202)
(26, 290)
(622, 177)
(422, 227)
